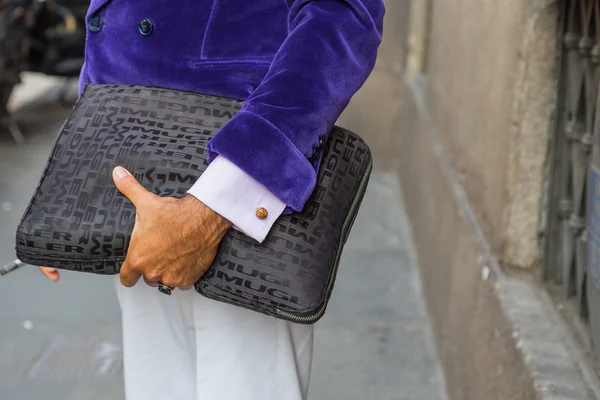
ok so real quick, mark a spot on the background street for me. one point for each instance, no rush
(62, 340)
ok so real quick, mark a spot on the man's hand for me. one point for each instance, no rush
(174, 241)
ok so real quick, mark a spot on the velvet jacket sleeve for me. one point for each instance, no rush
(329, 52)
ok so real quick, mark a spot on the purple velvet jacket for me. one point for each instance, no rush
(297, 63)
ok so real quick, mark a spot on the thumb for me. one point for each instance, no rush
(130, 187)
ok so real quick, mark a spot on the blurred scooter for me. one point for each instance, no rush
(44, 36)
(13, 266)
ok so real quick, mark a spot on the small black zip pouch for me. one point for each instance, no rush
(78, 220)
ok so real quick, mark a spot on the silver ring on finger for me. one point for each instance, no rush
(165, 289)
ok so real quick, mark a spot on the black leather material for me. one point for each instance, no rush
(78, 220)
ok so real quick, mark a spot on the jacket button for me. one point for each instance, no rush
(146, 27)
(315, 152)
(322, 141)
(95, 23)
(261, 213)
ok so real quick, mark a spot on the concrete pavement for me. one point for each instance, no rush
(62, 341)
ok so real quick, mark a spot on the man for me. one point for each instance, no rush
(297, 63)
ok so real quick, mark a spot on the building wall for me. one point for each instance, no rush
(471, 80)
(490, 72)
(374, 111)
(490, 91)
(472, 143)
(479, 74)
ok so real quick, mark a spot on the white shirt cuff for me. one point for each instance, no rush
(233, 194)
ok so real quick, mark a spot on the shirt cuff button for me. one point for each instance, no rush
(261, 213)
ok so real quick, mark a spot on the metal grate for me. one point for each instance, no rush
(574, 149)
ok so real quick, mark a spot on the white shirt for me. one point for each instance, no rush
(233, 194)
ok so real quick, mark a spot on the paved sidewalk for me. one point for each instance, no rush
(62, 341)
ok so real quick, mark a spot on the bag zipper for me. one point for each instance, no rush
(336, 261)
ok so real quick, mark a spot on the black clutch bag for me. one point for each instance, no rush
(77, 219)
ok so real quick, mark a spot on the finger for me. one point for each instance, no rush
(128, 275)
(168, 282)
(130, 187)
(150, 283)
(51, 273)
(176, 281)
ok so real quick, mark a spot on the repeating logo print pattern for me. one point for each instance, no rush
(78, 220)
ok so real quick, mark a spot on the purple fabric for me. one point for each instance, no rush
(297, 63)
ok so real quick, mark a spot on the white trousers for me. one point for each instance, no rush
(187, 347)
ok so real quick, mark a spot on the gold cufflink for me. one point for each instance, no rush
(261, 213)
